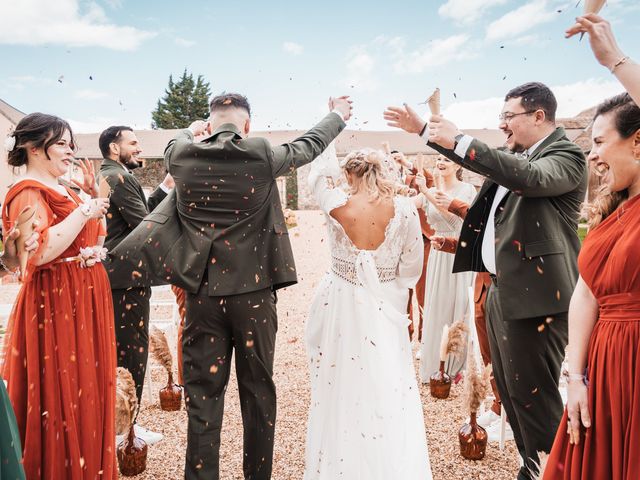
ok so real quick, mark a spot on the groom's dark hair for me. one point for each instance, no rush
(536, 96)
(109, 136)
(225, 101)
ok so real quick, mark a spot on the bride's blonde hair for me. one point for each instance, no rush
(366, 164)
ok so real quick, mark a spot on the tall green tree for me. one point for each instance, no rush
(183, 102)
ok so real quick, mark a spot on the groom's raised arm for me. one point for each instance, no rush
(304, 149)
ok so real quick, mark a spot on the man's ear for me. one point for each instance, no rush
(247, 126)
(114, 148)
(209, 128)
(541, 116)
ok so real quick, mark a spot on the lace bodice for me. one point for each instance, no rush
(399, 257)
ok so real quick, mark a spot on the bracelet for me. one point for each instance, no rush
(423, 129)
(575, 377)
(618, 63)
(7, 269)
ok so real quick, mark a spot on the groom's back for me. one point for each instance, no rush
(226, 192)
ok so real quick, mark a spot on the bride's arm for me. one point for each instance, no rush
(410, 265)
(325, 171)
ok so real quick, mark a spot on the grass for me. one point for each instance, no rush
(582, 232)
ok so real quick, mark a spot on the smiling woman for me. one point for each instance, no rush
(61, 366)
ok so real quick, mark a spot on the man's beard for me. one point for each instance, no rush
(128, 161)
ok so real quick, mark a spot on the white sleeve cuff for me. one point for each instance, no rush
(337, 112)
(164, 188)
(463, 146)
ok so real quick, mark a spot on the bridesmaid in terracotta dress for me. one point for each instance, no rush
(59, 356)
(599, 435)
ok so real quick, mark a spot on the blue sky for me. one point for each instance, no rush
(106, 62)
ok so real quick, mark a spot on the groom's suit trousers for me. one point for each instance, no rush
(214, 328)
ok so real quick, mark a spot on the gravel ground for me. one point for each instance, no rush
(443, 418)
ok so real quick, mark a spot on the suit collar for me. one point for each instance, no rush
(554, 136)
(107, 162)
(226, 128)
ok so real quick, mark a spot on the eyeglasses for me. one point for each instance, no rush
(507, 117)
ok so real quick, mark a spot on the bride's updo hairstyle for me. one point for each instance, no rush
(366, 165)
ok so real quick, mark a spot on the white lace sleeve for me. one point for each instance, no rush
(325, 171)
(410, 265)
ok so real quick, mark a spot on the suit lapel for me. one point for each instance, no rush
(554, 137)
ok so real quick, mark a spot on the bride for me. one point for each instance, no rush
(365, 419)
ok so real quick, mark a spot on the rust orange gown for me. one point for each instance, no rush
(610, 265)
(59, 356)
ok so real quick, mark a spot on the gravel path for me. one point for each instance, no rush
(442, 418)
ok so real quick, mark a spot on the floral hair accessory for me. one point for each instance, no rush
(10, 143)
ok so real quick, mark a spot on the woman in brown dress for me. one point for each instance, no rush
(599, 435)
(59, 356)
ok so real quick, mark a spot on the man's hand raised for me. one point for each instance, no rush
(199, 127)
(405, 118)
(343, 105)
(443, 132)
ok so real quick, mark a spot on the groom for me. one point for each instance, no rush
(222, 237)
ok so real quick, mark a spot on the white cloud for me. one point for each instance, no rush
(88, 94)
(467, 11)
(292, 48)
(435, 53)
(40, 22)
(517, 22)
(360, 70)
(183, 42)
(572, 99)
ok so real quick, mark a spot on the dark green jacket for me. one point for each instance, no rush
(535, 225)
(225, 219)
(128, 205)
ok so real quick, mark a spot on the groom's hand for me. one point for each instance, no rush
(199, 127)
(343, 105)
(405, 118)
(443, 132)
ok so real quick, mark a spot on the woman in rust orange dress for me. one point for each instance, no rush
(59, 356)
(599, 436)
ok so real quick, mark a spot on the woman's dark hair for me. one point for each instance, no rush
(626, 114)
(37, 130)
(626, 119)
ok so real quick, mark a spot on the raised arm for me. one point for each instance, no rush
(323, 176)
(608, 53)
(286, 158)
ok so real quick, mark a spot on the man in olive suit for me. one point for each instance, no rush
(521, 228)
(222, 237)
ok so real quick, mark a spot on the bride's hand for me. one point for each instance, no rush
(437, 242)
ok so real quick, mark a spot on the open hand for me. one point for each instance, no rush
(601, 38)
(405, 118)
(88, 184)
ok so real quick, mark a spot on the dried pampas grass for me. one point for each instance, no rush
(457, 338)
(543, 456)
(444, 343)
(160, 348)
(126, 400)
(477, 384)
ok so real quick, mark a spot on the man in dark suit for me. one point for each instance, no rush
(128, 206)
(522, 229)
(222, 237)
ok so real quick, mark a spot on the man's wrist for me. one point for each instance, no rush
(424, 129)
(339, 113)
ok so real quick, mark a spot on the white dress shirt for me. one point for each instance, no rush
(488, 249)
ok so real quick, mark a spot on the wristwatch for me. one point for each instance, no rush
(457, 140)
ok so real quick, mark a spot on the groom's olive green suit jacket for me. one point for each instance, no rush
(536, 223)
(224, 218)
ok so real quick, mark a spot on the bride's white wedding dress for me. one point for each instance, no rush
(365, 419)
